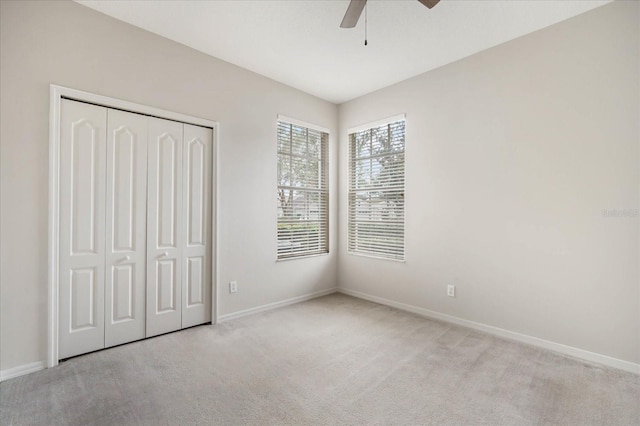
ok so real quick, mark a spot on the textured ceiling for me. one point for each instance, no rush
(299, 42)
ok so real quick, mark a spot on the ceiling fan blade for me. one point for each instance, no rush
(429, 3)
(353, 13)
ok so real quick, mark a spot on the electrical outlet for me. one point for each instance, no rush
(451, 290)
(233, 287)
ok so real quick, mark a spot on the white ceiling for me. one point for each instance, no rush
(299, 42)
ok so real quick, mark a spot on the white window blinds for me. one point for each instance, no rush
(376, 191)
(303, 202)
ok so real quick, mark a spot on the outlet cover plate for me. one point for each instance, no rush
(451, 290)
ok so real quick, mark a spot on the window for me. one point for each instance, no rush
(303, 202)
(376, 190)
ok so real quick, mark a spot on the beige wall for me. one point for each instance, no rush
(512, 155)
(68, 44)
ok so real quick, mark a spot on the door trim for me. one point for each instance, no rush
(56, 94)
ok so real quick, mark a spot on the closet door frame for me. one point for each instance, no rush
(56, 94)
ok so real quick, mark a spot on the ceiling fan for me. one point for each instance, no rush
(355, 10)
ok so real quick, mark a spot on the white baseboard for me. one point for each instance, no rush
(535, 341)
(21, 370)
(608, 361)
(275, 305)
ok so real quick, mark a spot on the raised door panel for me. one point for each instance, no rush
(197, 206)
(82, 230)
(126, 227)
(164, 216)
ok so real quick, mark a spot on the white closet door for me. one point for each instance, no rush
(82, 228)
(126, 209)
(196, 251)
(164, 236)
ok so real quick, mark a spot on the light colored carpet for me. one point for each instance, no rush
(335, 360)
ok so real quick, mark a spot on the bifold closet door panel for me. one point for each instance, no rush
(82, 228)
(126, 210)
(197, 200)
(164, 219)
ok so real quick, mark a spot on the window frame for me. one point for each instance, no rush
(351, 189)
(325, 137)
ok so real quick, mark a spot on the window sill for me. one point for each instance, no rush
(307, 256)
(373, 256)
